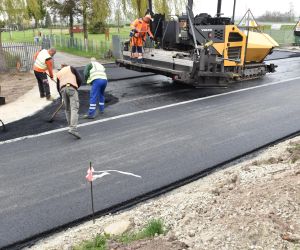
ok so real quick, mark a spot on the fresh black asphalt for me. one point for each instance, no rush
(42, 182)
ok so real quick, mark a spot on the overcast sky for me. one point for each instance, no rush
(258, 7)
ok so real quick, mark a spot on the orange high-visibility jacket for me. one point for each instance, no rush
(142, 29)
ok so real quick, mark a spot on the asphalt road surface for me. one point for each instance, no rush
(155, 129)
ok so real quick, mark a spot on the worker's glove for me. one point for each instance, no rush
(151, 38)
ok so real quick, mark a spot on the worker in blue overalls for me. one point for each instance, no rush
(94, 74)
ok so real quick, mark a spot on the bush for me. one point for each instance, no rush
(97, 28)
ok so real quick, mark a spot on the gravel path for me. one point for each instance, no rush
(251, 204)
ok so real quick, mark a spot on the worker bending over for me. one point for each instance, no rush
(43, 62)
(139, 30)
(68, 82)
(94, 74)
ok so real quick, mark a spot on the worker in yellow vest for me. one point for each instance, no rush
(44, 62)
(68, 82)
(94, 74)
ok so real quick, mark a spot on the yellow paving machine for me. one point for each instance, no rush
(203, 50)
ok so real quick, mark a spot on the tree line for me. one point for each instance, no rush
(277, 16)
(91, 13)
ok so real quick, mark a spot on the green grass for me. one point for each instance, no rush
(28, 35)
(154, 227)
(99, 39)
(99, 243)
(76, 52)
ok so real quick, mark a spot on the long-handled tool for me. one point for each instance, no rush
(59, 107)
(3, 126)
(56, 111)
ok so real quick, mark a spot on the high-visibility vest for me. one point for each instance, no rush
(96, 72)
(66, 76)
(40, 61)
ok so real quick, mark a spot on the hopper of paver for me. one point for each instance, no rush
(259, 46)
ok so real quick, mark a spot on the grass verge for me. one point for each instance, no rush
(153, 228)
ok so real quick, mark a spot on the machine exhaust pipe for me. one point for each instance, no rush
(150, 7)
(233, 13)
(219, 8)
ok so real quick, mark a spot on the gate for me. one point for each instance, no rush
(19, 55)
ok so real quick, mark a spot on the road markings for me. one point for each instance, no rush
(150, 110)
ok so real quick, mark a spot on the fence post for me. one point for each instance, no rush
(86, 44)
(27, 57)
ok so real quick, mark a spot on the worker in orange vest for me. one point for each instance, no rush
(43, 62)
(139, 30)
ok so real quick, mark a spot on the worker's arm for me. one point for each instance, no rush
(87, 71)
(133, 25)
(49, 63)
(149, 32)
(77, 75)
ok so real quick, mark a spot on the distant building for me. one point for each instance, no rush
(77, 29)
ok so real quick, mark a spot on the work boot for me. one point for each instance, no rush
(87, 116)
(74, 133)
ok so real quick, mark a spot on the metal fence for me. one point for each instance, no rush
(283, 37)
(99, 48)
(19, 56)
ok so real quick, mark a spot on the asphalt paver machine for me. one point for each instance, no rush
(203, 50)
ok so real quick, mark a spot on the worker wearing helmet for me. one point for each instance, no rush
(139, 30)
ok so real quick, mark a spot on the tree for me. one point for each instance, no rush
(99, 12)
(139, 7)
(12, 11)
(36, 10)
(277, 16)
(48, 22)
(84, 18)
(162, 6)
(54, 19)
(67, 8)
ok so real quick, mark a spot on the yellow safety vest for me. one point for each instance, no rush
(96, 72)
(40, 61)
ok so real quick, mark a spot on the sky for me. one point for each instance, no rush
(258, 7)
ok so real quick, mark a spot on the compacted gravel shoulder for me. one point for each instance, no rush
(251, 204)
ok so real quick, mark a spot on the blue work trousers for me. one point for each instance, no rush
(97, 94)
